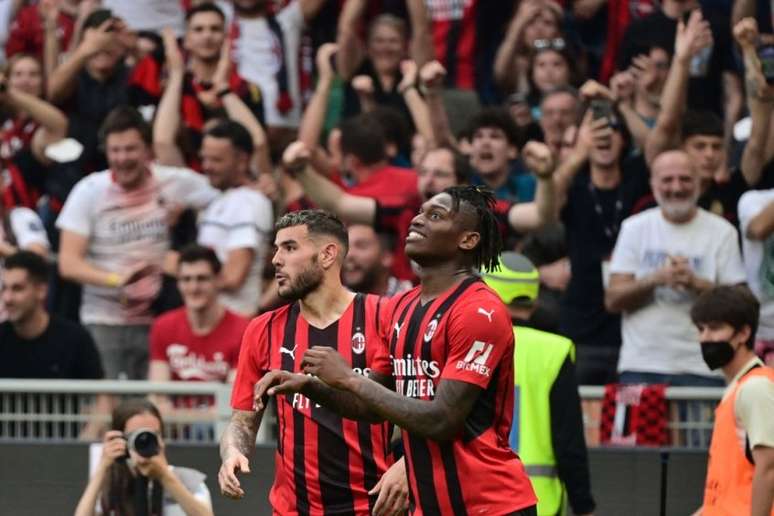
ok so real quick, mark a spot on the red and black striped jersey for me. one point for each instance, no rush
(324, 464)
(465, 335)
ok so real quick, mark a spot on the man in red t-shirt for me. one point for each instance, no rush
(324, 464)
(448, 352)
(200, 341)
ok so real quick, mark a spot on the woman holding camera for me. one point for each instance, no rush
(127, 483)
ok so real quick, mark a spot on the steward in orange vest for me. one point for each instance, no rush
(740, 472)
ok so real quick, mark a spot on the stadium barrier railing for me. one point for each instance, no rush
(198, 412)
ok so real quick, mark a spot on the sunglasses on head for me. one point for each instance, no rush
(549, 44)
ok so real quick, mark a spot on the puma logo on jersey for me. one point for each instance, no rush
(291, 352)
(485, 313)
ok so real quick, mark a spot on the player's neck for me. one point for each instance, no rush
(205, 320)
(436, 279)
(325, 304)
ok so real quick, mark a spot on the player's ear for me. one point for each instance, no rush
(469, 240)
(330, 253)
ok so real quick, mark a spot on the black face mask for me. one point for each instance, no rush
(717, 353)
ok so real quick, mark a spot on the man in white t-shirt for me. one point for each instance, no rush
(20, 230)
(115, 234)
(756, 221)
(663, 259)
(267, 53)
(236, 225)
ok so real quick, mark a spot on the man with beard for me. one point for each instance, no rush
(115, 235)
(350, 458)
(34, 343)
(368, 262)
(441, 168)
(663, 259)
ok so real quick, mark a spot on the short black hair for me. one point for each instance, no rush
(199, 253)
(206, 7)
(396, 129)
(482, 200)
(124, 118)
(36, 266)
(234, 132)
(701, 123)
(96, 18)
(730, 304)
(363, 136)
(498, 118)
(317, 222)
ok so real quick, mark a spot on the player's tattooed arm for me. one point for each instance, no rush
(343, 403)
(440, 419)
(240, 433)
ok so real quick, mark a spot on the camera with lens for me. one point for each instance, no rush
(143, 441)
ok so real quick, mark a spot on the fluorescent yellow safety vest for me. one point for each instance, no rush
(538, 358)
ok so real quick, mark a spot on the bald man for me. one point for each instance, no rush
(663, 259)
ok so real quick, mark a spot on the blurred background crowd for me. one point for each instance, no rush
(147, 147)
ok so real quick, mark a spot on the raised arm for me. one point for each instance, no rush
(421, 44)
(690, 39)
(323, 192)
(313, 119)
(238, 111)
(420, 114)
(62, 82)
(53, 123)
(622, 91)
(760, 101)
(531, 216)
(431, 78)
(505, 71)
(351, 50)
(167, 121)
(50, 14)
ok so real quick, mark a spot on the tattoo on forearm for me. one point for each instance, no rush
(343, 403)
(240, 433)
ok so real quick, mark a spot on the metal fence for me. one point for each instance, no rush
(198, 412)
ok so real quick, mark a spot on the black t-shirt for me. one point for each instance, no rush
(592, 218)
(64, 351)
(659, 30)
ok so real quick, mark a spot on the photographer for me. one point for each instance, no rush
(133, 476)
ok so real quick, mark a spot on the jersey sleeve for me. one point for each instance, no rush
(479, 337)
(381, 363)
(253, 363)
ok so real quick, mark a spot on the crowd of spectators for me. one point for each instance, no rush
(148, 146)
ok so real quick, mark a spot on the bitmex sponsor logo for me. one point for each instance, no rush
(476, 358)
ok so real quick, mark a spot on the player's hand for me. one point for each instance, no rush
(392, 490)
(276, 382)
(326, 364)
(538, 159)
(229, 483)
